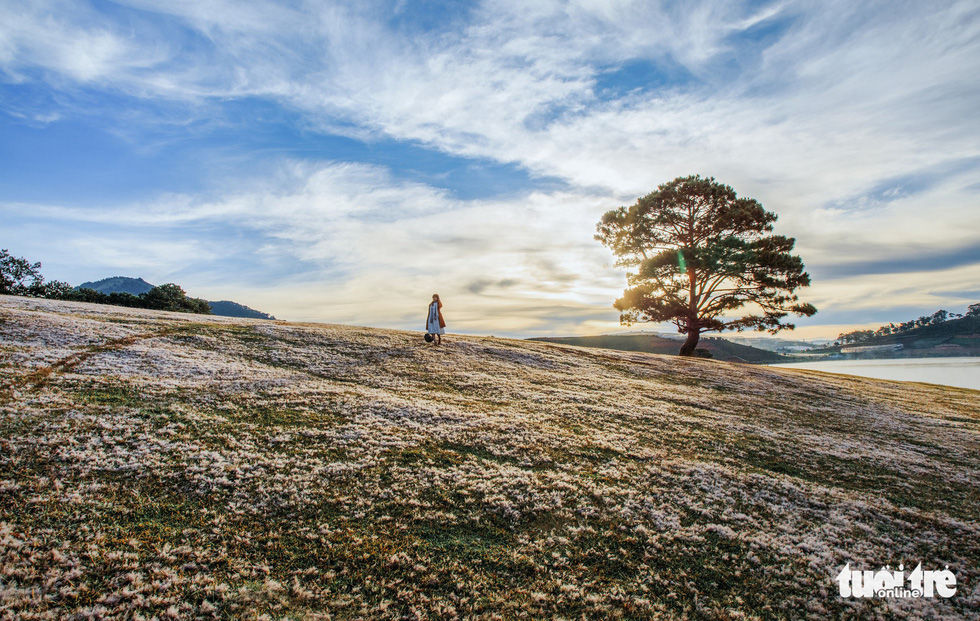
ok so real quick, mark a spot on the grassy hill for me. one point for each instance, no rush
(193, 466)
(720, 348)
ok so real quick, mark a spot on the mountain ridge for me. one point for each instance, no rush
(138, 286)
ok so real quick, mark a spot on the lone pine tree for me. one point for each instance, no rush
(696, 253)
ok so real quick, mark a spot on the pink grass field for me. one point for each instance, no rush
(166, 465)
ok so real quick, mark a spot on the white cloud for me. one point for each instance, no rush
(812, 124)
(70, 40)
(931, 290)
(355, 245)
(350, 243)
(842, 99)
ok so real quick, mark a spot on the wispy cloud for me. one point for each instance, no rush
(853, 121)
(374, 246)
(70, 41)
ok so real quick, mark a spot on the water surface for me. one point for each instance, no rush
(962, 372)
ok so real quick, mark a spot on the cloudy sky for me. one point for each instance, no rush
(341, 161)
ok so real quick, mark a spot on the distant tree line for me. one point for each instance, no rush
(892, 329)
(18, 276)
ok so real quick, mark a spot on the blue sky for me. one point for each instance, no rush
(340, 162)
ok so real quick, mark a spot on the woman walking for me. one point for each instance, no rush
(434, 323)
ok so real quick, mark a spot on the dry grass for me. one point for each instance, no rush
(156, 464)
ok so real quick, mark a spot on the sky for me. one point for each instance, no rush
(341, 161)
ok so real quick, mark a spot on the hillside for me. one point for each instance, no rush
(226, 308)
(720, 348)
(956, 337)
(959, 337)
(184, 465)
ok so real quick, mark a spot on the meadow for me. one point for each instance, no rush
(165, 465)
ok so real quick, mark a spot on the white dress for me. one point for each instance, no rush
(432, 322)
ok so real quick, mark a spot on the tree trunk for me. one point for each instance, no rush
(687, 349)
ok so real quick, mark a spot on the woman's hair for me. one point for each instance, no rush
(435, 296)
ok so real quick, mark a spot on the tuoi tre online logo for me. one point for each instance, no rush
(888, 583)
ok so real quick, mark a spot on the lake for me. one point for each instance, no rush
(961, 372)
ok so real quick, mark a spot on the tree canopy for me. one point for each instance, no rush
(18, 276)
(696, 253)
(172, 297)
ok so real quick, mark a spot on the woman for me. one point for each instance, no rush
(434, 323)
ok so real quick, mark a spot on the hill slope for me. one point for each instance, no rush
(720, 348)
(956, 337)
(192, 465)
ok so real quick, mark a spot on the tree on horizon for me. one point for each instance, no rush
(172, 297)
(696, 252)
(18, 276)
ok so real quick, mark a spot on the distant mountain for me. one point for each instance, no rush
(118, 284)
(646, 342)
(234, 309)
(776, 344)
(137, 286)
